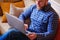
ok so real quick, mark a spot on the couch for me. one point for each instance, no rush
(5, 26)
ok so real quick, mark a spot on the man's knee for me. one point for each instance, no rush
(9, 34)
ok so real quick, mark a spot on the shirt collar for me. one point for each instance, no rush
(47, 7)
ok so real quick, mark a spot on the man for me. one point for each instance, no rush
(43, 23)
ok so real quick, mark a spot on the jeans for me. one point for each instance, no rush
(13, 34)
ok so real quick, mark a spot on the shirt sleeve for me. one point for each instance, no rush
(26, 13)
(51, 30)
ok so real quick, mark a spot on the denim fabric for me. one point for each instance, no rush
(13, 34)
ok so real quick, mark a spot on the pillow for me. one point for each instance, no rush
(16, 11)
(6, 7)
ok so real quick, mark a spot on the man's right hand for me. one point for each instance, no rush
(26, 26)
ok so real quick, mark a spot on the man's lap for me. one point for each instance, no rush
(14, 34)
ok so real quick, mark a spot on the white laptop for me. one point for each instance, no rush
(14, 22)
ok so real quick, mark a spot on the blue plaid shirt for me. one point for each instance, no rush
(43, 22)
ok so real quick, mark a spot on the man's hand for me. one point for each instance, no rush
(32, 35)
(26, 26)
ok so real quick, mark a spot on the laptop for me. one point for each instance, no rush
(14, 22)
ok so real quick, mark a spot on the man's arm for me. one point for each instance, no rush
(52, 27)
(26, 13)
